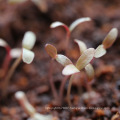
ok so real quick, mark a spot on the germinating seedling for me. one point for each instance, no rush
(87, 55)
(29, 109)
(10, 54)
(26, 55)
(69, 67)
(100, 50)
(70, 28)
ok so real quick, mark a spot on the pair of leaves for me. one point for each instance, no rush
(27, 44)
(100, 50)
(29, 109)
(107, 43)
(69, 68)
(72, 26)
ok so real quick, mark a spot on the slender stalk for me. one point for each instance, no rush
(67, 41)
(69, 90)
(50, 77)
(62, 87)
(8, 77)
(7, 61)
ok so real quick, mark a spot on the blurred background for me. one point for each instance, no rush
(19, 16)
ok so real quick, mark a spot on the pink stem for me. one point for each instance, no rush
(7, 60)
(50, 77)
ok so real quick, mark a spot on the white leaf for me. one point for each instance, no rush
(70, 69)
(3, 43)
(82, 45)
(27, 56)
(63, 60)
(21, 97)
(16, 52)
(38, 116)
(77, 22)
(90, 72)
(29, 40)
(85, 58)
(56, 24)
(110, 38)
(100, 51)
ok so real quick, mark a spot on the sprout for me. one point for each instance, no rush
(29, 109)
(107, 43)
(69, 68)
(70, 28)
(27, 55)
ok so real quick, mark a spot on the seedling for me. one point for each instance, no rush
(69, 67)
(26, 55)
(70, 28)
(29, 109)
(10, 53)
(100, 50)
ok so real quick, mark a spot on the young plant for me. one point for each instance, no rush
(26, 55)
(70, 28)
(29, 109)
(100, 50)
(69, 67)
(10, 53)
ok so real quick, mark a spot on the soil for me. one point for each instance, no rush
(33, 79)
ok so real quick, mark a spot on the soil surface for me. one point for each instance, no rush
(96, 100)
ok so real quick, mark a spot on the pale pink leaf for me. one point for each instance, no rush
(100, 51)
(77, 22)
(85, 58)
(110, 38)
(63, 60)
(82, 45)
(70, 69)
(90, 72)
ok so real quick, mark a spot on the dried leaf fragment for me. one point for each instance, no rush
(70, 69)
(63, 60)
(90, 72)
(51, 50)
(110, 38)
(85, 58)
(100, 51)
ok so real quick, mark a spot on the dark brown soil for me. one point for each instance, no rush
(33, 79)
